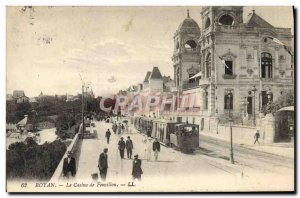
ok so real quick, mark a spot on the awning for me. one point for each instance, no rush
(289, 108)
(196, 75)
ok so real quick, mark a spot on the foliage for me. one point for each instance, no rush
(27, 160)
(284, 100)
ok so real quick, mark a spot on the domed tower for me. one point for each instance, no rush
(221, 15)
(186, 56)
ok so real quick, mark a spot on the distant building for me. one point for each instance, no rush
(18, 96)
(33, 100)
(22, 99)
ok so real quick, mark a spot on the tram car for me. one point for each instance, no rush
(186, 137)
(182, 136)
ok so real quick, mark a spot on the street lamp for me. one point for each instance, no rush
(229, 95)
(269, 96)
(254, 90)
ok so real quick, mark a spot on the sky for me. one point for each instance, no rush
(50, 49)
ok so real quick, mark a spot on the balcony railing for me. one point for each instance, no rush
(195, 84)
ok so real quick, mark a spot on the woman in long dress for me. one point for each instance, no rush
(149, 149)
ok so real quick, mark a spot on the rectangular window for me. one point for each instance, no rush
(191, 80)
(205, 100)
(228, 68)
(264, 98)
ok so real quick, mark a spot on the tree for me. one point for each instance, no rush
(284, 100)
(32, 161)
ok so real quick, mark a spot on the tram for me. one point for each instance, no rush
(182, 136)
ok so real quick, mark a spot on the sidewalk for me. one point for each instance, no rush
(281, 149)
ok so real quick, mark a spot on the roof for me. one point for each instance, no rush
(189, 23)
(155, 74)
(256, 21)
(23, 121)
(18, 93)
(147, 77)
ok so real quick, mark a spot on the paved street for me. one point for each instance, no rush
(206, 169)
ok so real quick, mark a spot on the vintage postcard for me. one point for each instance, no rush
(150, 99)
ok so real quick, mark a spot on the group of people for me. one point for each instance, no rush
(119, 128)
(128, 145)
(103, 166)
(69, 166)
(150, 147)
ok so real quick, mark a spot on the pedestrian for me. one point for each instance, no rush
(123, 128)
(122, 146)
(119, 129)
(115, 127)
(107, 135)
(129, 147)
(137, 168)
(149, 132)
(145, 140)
(103, 165)
(256, 137)
(69, 166)
(149, 148)
(156, 148)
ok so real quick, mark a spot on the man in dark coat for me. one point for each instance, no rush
(256, 136)
(102, 164)
(129, 147)
(115, 127)
(119, 128)
(156, 148)
(122, 146)
(136, 168)
(69, 166)
(107, 135)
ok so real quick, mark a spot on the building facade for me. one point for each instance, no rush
(233, 66)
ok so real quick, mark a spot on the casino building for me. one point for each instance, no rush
(233, 66)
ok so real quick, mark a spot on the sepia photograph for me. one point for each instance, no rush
(137, 99)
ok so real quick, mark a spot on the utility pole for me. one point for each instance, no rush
(82, 110)
(230, 126)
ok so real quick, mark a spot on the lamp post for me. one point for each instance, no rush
(254, 90)
(86, 95)
(245, 106)
(229, 95)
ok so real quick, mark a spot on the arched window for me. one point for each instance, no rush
(208, 65)
(190, 44)
(226, 19)
(207, 23)
(266, 65)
